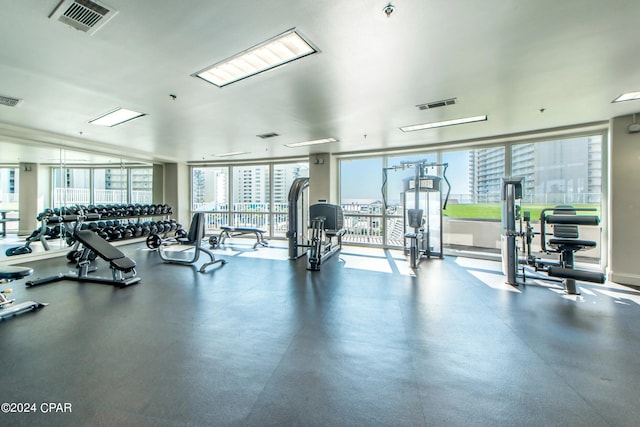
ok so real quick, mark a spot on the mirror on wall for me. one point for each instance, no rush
(37, 181)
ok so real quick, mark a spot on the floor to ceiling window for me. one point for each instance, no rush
(245, 196)
(562, 171)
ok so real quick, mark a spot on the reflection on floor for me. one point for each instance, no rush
(364, 341)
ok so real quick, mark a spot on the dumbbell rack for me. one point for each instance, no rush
(111, 225)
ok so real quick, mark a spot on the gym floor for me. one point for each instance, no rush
(365, 341)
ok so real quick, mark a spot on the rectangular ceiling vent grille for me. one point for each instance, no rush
(83, 15)
(267, 135)
(437, 104)
(9, 101)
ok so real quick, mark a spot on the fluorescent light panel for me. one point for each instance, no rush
(233, 153)
(116, 117)
(444, 123)
(627, 97)
(314, 142)
(272, 53)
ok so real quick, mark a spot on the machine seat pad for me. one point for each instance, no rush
(578, 243)
(104, 249)
(10, 272)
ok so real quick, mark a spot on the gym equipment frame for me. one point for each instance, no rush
(423, 204)
(123, 268)
(565, 240)
(193, 243)
(327, 222)
(298, 218)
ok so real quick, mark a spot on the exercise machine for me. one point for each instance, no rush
(423, 203)
(123, 268)
(566, 241)
(298, 218)
(7, 306)
(192, 243)
(327, 222)
(315, 230)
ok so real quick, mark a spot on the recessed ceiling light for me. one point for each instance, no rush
(314, 142)
(272, 53)
(444, 123)
(627, 97)
(116, 117)
(232, 153)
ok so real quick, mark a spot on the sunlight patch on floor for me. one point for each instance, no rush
(366, 263)
(620, 296)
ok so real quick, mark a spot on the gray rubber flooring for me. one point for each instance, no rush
(262, 341)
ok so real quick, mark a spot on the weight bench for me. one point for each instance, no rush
(123, 268)
(7, 308)
(229, 231)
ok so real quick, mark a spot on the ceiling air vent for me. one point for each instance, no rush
(267, 135)
(436, 104)
(9, 101)
(83, 15)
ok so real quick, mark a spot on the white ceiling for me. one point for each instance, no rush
(507, 59)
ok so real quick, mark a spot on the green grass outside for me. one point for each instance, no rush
(494, 210)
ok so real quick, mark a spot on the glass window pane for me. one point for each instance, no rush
(472, 217)
(9, 197)
(210, 188)
(283, 177)
(73, 188)
(567, 171)
(9, 188)
(141, 185)
(250, 189)
(110, 186)
(361, 198)
(562, 172)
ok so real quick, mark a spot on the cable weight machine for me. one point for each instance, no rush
(423, 203)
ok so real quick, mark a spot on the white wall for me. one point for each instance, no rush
(624, 202)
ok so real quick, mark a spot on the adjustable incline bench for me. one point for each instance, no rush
(229, 231)
(123, 268)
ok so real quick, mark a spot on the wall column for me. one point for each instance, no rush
(323, 178)
(177, 188)
(624, 202)
(34, 181)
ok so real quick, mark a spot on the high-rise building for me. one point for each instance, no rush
(565, 171)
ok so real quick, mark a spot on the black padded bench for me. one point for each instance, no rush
(105, 250)
(229, 231)
(120, 265)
